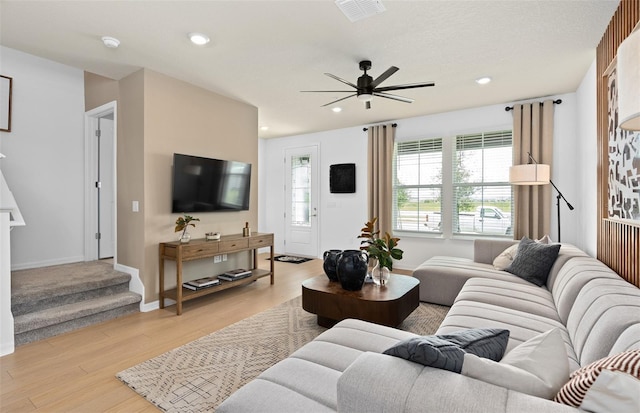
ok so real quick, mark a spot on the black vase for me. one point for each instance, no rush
(330, 263)
(352, 269)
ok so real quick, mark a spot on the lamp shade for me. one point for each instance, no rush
(628, 69)
(530, 174)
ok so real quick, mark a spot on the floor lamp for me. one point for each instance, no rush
(537, 174)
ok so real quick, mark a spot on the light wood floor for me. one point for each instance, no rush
(75, 372)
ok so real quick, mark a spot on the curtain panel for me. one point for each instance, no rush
(532, 133)
(380, 174)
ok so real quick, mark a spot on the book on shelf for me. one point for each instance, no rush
(226, 277)
(240, 272)
(204, 282)
(195, 288)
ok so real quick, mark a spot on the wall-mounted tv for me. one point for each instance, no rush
(208, 185)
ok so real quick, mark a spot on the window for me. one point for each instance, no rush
(417, 184)
(476, 199)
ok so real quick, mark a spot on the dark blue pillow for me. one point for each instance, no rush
(447, 351)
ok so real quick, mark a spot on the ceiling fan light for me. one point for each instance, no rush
(483, 80)
(337, 109)
(365, 97)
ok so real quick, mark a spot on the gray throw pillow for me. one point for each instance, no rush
(533, 261)
(447, 351)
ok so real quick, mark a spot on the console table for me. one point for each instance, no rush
(198, 249)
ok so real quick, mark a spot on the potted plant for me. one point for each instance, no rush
(182, 224)
(384, 250)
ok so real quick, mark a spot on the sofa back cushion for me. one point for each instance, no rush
(567, 253)
(572, 277)
(603, 310)
(486, 250)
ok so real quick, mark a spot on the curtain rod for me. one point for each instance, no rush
(557, 102)
(393, 125)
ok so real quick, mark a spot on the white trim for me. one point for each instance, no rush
(137, 286)
(7, 344)
(90, 125)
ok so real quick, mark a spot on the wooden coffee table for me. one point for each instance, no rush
(388, 305)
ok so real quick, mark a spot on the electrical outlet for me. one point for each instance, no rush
(217, 259)
(224, 257)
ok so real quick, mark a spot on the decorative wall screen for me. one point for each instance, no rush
(624, 163)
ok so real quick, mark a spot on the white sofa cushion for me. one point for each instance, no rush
(538, 366)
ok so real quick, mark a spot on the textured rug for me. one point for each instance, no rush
(290, 259)
(198, 376)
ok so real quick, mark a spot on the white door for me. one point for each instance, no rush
(100, 181)
(301, 201)
(106, 198)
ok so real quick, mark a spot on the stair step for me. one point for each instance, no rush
(46, 323)
(41, 283)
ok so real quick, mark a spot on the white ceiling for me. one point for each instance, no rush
(265, 52)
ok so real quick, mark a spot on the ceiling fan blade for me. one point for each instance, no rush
(367, 104)
(394, 97)
(341, 80)
(408, 86)
(336, 101)
(328, 91)
(384, 76)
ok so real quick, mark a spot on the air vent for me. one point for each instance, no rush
(359, 9)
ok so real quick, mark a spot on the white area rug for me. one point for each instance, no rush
(198, 376)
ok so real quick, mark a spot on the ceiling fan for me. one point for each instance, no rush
(367, 87)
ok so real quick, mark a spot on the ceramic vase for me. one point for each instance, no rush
(330, 263)
(352, 269)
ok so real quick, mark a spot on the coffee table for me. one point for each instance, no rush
(388, 305)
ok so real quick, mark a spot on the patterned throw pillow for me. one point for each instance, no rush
(573, 392)
(534, 261)
(447, 351)
(507, 256)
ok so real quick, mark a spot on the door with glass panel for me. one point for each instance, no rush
(301, 201)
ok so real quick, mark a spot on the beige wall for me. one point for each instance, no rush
(98, 90)
(182, 118)
(130, 172)
(158, 116)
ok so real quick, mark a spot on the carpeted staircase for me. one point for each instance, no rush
(53, 300)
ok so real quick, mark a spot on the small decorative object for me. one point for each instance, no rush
(182, 224)
(212, 236)
(330, 263)
(352, 269)
(384, 250)
(246, 231)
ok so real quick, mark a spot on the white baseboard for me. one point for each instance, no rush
(7, 343)
(135, 284)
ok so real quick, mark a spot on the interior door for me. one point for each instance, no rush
(106, 198)
(301, 200)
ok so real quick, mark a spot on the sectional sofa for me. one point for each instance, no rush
(591, 311)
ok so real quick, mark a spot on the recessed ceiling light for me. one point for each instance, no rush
(264, 128)
(337, 109)
(483, 80)
(199, 38)
(110, 42)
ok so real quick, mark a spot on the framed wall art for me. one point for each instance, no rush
(6, 84)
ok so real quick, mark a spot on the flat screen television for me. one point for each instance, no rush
(208, 185)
